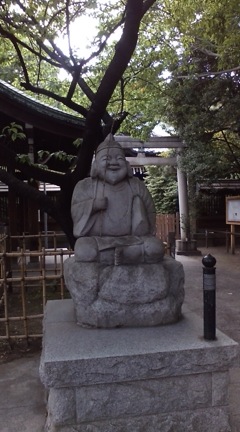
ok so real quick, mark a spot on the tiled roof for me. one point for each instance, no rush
(25, 108)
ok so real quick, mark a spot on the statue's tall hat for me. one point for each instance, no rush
(108, 143)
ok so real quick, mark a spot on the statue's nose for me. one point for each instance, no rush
(113, 162)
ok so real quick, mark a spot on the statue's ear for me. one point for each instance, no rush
(93, 172)
(129, 170)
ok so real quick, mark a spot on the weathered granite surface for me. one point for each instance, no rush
(151, 379)
(125, 295)
(118, 276)
(203, 420)
(114, 217)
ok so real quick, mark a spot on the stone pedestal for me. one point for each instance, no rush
(153, 379)
(139, 295)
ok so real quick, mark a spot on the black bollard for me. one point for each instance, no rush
(209, 297)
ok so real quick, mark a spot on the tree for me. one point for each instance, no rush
(31, 29)
(205, 113)
(141, 85)
(200, 98)
(162, 184)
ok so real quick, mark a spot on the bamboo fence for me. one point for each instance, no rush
(27, 280)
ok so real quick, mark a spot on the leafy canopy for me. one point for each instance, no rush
(31, 29)
(200, 98)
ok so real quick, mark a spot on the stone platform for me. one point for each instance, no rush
(153, 379)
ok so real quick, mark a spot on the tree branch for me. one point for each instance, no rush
(9, 158)
(147, 4)
(68, 32)
(13, 39)
(231, 150)
(69, 103)
(123, 53)
(206, 74)
(90, 94)
(25, 190)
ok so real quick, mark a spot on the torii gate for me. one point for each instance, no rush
(141, 160)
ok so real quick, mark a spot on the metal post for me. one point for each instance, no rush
(209, 297)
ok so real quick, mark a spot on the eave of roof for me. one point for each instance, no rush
(24, 108)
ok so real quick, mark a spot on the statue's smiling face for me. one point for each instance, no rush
(111, 165)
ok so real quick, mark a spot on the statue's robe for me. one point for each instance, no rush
(130, 213)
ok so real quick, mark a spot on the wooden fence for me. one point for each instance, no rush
(27, 280)
(167, 223)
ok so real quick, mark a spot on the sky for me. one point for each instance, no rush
(84, 30)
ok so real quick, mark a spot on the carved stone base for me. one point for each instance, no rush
(158, 379)
(126, 295)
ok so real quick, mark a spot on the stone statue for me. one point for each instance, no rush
(119, 275)
(113, 213)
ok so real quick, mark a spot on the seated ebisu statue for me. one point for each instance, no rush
(119, 276)
(113, 213)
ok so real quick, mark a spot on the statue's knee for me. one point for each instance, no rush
(132, 254)
(86, 249)
(153, 250)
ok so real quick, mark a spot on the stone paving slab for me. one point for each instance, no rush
(227, 306)
(26, 412)
(22, 400)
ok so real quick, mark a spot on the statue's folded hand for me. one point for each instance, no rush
(100, 204)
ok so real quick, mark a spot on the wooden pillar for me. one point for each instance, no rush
(13, 212)
(32, 207)
(232, 239)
